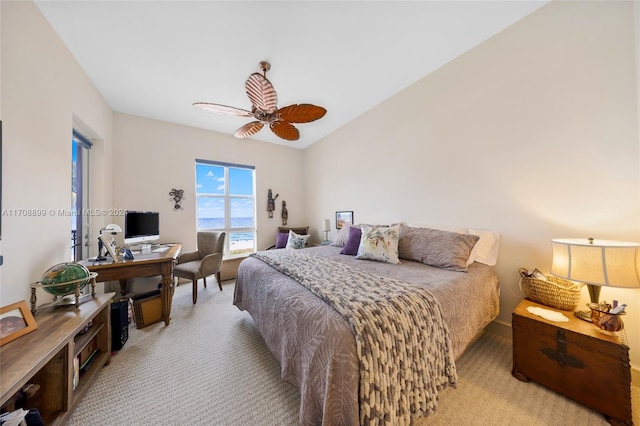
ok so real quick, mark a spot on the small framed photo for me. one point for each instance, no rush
(342, 218)
(109, 247)
(16, 320)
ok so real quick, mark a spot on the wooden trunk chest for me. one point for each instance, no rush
(574, 359)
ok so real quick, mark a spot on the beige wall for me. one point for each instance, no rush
(45, 93)
(152, 157)
(533, 134)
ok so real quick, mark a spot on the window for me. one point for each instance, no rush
(225, 201)
(80, 147)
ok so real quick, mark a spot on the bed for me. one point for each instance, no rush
(317, 347)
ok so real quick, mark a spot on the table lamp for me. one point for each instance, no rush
(596, 263)
(326, 228)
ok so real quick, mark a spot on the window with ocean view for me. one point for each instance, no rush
(225, 198)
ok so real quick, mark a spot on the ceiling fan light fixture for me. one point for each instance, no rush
(264, 108)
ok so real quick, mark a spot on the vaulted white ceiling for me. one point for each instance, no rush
(155, 58)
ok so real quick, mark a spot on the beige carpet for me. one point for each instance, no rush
(211, 367)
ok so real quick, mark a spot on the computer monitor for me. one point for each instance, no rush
(141, 226)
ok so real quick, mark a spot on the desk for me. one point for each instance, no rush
(144, 265)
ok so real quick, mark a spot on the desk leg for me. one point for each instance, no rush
(123, 287)
(167, 297)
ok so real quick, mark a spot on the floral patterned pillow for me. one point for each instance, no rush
(296, 241)
(379, 243)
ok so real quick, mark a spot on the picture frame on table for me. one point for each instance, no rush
(16, 320)
(109, 248)
(343, 217)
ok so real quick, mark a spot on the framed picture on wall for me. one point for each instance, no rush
(342, 218)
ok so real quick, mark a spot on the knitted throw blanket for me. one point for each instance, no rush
(402, 341)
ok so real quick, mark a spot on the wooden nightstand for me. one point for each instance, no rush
(574, 359)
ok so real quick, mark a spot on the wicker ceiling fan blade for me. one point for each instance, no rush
(248, 129)
(301, 113)
(223, 109)
(261, 93)
(285, 130)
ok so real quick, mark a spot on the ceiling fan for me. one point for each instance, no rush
(264, 99)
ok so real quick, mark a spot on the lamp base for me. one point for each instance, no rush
(583, 315)
(594, 295)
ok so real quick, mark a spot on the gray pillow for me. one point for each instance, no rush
(442, 249)
(342, 236)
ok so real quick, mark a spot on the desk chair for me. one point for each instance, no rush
(206, 261)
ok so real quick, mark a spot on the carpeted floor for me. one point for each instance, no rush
(211, 367)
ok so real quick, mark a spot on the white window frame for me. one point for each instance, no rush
(227, 197)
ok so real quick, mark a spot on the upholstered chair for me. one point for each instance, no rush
(204, 262)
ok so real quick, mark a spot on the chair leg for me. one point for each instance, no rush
(195, 291)
(205, 281)
(219, 282)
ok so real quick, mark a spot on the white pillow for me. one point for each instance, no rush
(486, 249)
(296, 241)
(379, 243)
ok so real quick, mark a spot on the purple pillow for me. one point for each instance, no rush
(352, 244)
(281, 241)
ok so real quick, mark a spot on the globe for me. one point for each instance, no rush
(66, 276)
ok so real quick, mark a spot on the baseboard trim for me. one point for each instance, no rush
(503, 328)
(500, 328)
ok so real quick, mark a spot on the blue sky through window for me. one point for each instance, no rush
(240, 181)
(210, 180)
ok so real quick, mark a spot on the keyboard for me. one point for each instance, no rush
(160, 249)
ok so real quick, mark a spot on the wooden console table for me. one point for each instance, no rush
(144, 265)
(46, 357)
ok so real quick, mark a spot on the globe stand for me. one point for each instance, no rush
(59, 299)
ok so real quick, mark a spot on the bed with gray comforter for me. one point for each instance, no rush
(321, 342)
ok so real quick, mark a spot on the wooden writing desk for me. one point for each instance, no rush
(144, 265)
